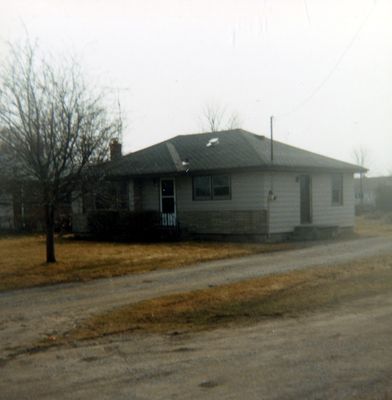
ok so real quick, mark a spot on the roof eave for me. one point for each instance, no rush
(261, 168)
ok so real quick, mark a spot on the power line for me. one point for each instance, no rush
(334, 67)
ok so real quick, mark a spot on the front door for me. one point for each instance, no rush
(168, 202)
(305, 199)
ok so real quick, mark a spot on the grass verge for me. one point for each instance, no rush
(374, 224)
(21, 258)
(245, 302)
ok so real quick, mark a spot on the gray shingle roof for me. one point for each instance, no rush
(237, 149)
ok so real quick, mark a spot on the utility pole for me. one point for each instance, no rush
(272, 137)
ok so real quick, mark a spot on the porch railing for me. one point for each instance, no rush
(168, 220)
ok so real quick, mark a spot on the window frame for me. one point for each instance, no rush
(211, 196)
(220, 197)
(335, 189)
(200, 198)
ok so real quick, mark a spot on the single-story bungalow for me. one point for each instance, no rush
(233, 184)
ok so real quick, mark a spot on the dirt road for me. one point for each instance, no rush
(342, 354)
(331, 355)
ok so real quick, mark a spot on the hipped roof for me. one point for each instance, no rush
(233, 150)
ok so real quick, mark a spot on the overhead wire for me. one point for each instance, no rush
(334, 67)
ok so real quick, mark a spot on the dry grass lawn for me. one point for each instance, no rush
(21, 258)
(245, 302)
(374, 225)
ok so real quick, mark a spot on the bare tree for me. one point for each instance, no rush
(234, 121)
(361, 156)
(54, 126)
(215, 117)
(212, 117)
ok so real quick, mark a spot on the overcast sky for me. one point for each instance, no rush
(322, 68)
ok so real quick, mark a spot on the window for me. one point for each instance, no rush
(221, 187)
(211, 187)
(202, 188)
(337, 190)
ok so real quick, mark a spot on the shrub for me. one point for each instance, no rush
(124, 225)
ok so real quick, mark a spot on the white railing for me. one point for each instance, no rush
(168, 219)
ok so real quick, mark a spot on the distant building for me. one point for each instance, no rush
(366, 190)
(20, 202)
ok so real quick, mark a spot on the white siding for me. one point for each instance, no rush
(323, 210)
(247, 193)
(284, 210)
(150, 195)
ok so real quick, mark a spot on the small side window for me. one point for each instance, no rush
(337, 190)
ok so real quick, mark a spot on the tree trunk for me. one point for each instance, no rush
(49, 217)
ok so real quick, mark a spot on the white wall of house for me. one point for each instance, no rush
(324, 212)
(150, 194)
(247, 193)
(284, 211)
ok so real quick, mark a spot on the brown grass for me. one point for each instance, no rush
(374, 224)
(245, 302)
(21, 258)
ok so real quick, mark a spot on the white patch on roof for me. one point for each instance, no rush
(213, 142)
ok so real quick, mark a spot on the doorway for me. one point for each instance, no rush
(168, 202)
(305, 199)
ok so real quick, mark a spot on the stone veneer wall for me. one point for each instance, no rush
(234, 222)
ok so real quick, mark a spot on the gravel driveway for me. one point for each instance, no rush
(341, 354)
(30, 314)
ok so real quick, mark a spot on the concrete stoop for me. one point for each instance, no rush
(315, 232)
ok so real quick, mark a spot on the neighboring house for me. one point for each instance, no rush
(6, 199)
(6, 212)
(225, 185)
(366, 190)
(20, 210)
(20, 204)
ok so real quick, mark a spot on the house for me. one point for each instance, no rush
(6, 199)
(367, 189)
(227, 185)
